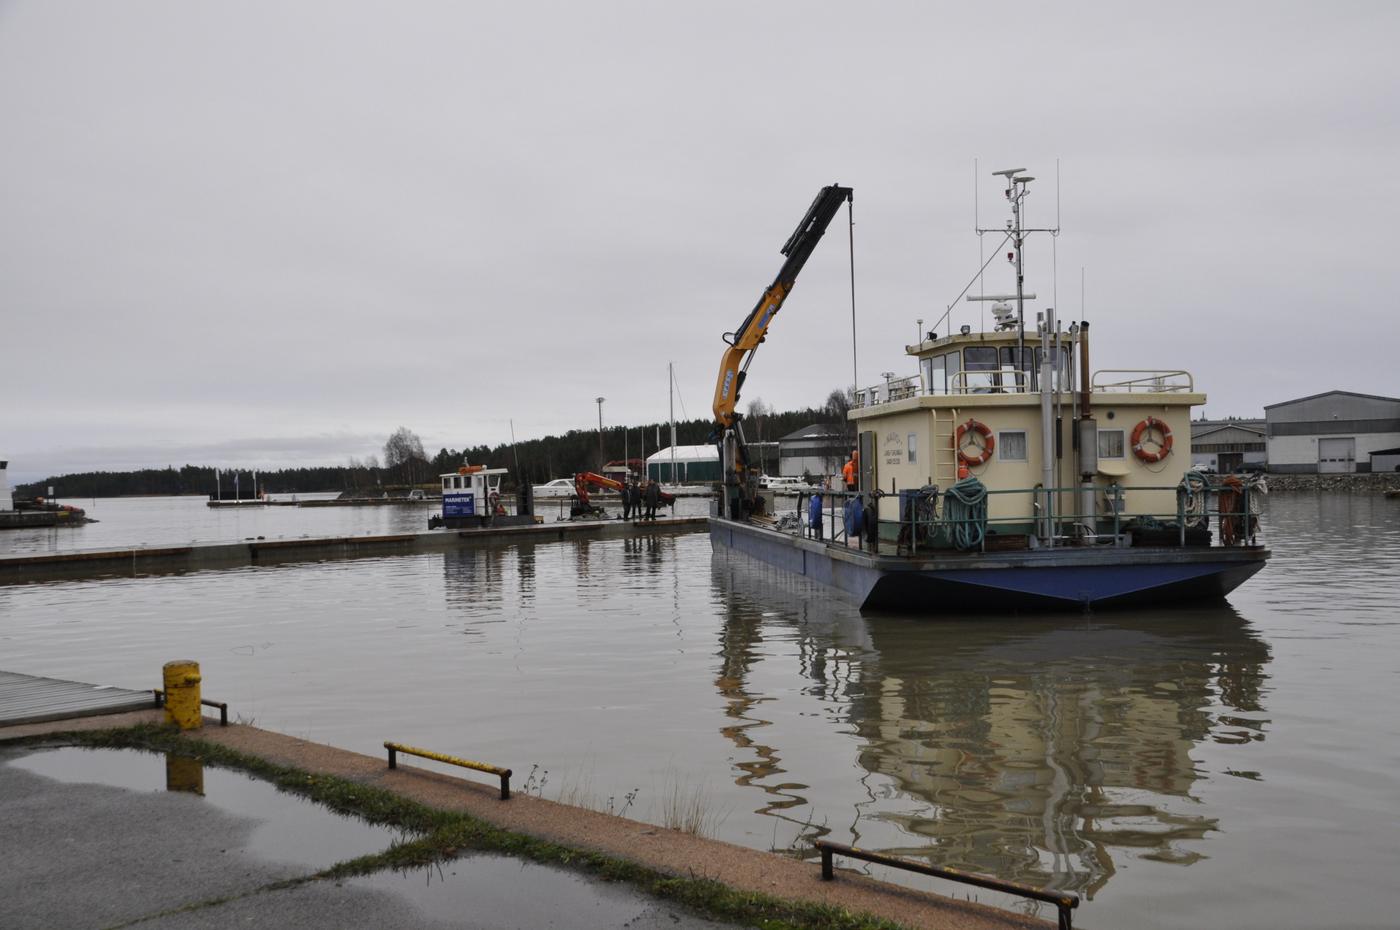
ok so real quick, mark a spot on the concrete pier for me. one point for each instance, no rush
(677, 856)
(140, 560)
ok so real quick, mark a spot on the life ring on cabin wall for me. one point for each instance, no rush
(987, 443)
(1164, 446)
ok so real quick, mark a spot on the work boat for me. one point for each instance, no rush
(1007, 475)
(471, 499)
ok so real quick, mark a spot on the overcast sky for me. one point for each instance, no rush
(269, 233)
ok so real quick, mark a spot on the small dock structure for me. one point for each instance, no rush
(32, 699)
(21, 568)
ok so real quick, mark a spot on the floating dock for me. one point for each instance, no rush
(31, 699)
(144, 560)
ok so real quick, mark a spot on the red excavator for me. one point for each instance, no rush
(582, 481)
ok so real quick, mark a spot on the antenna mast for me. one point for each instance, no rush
(1016, 231)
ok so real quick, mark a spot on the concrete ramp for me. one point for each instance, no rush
(30, 699)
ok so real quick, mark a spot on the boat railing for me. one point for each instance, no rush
(990, 381)
(973, 381)
(1142, 381)
(886, 391)
(1229, 503)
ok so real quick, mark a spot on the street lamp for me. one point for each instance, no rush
(601, 460)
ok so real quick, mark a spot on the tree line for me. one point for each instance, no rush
(405, 462)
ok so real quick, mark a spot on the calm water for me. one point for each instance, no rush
(1222, 766)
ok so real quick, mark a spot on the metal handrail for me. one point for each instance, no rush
(1246, 529)
(1064, 901)
(1148, 381)
(1021, 381)
(222, 706)
(504, 774)
(895, 389)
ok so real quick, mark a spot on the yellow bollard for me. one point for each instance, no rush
(182, 694)
(184, 773)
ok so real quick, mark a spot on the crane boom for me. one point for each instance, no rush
(741, 498)
(745, 340)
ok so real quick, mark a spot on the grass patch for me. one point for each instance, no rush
(439, 835)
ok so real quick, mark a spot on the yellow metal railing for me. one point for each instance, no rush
(503, 774)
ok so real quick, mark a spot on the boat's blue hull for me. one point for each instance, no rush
(1046, 579)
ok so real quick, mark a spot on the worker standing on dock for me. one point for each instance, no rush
(634, 494)
(848, 471)
(814, 515)
(627, 498)
(653, 497)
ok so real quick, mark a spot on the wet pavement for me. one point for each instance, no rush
(101, 838)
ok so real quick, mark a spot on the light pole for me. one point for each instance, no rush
(601, 460)
(887, 375)
(920, 334)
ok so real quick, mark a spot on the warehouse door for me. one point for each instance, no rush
(1336, 456)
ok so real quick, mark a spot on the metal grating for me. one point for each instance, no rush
(30, 699)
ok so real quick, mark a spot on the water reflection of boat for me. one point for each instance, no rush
(1044, 751)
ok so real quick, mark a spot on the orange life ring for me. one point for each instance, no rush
(1164, 447)
(988, 443)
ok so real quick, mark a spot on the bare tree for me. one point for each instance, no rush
(838, 403)
(403, 453)
(759, 412)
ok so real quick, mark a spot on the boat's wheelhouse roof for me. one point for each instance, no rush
(998, 368)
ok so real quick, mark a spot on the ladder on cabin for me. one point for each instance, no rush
(945, 455)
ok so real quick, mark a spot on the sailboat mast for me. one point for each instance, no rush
(671, 394)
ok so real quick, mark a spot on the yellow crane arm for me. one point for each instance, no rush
(742, 343)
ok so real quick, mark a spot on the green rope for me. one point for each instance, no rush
(965, 513)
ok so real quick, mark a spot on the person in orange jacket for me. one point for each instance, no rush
(851, 469)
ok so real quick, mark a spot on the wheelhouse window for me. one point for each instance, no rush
(940, 373)
(1011, 445)
(952, 363)
(1059, 367)
(980, 363)
(913, 448)
(932, 371)
(1110, 444)
(1015, 362)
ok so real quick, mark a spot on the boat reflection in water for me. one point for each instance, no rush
(1044, 750)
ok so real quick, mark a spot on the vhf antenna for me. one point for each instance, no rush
(1016, 184)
